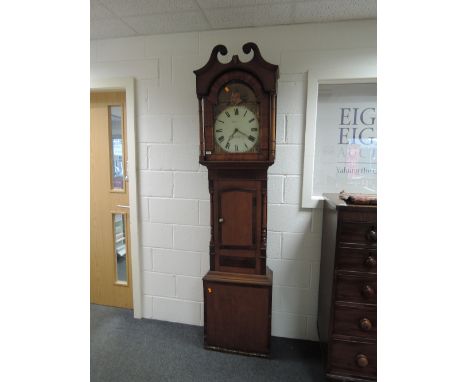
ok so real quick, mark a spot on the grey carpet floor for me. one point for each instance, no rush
(124, 349)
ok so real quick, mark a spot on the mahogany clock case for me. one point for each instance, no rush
(237, 106)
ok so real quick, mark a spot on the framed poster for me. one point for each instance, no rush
(345, 156)
(337, 92)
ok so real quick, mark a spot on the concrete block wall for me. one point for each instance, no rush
(173, 187)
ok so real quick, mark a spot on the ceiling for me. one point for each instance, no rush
(123, 18)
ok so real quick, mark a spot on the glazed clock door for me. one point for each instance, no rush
(237, 222)
(236, 122)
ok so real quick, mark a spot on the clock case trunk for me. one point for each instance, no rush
(238, 200)
(238, 288)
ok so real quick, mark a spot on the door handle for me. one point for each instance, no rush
(220, 220)
(120, 205)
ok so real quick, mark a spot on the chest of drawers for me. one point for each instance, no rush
(347, 314)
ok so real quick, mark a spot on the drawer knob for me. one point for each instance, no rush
(221, 220)
(365, 324)
(361, 360)
(368, 291)
(372, 234)
(370, 262)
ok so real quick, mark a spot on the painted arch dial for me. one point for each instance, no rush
(236, 129)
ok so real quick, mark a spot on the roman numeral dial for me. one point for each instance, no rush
(236, 130)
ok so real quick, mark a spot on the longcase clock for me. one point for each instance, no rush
(237, 107)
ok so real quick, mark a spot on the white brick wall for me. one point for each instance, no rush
(191, 238)
(173, 157)
(292, 189)
(295, 123)
(280, 128)
(177, 310)
(142, 158)
(173, 187)
(158, 284)
(155, 183)
(176, 262)
(274, 245)
(275, 188)
(154, 128)
(191, 185)
(189, 288)
(204, 209)
(144, 209)
(288, 160)
(173, 211)
(147, 259)
(289, 218)
(186, 129)
(156, 235)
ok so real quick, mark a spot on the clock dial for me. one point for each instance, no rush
(236, 129)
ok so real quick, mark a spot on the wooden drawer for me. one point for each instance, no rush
(358, 227)
(356, 288)
(362, 233)
(356, 321)
(356, 259)
(348, 216)
(353, 358)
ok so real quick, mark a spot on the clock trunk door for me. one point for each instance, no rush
(237, 225)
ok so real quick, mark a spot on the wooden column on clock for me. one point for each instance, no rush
(237, 107)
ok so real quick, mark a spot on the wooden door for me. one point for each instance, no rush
(237, 225)
(111, 276)
(238, 312)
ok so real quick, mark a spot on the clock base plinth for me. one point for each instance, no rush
(238, 312)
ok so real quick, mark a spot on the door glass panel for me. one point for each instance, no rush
(120, 248)
(116, 148)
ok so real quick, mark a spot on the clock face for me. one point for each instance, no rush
(236, 129)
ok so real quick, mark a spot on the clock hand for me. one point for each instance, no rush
(240, 131)
(232, 135)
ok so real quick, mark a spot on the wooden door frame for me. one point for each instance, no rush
(128, 85)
